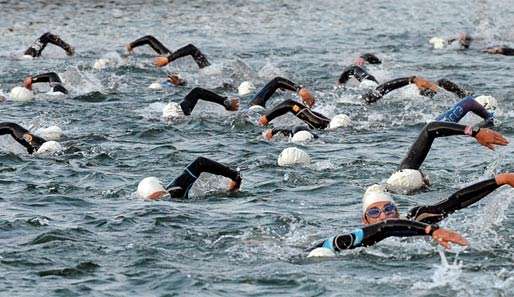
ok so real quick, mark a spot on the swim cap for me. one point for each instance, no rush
(488, 102)
(292, 156)
(256, 108)
(340, 120)
(21, 94)
(50, 133)
(405, 180)
(374, 194)
(302, 136)
(49, 147)
(172, 110)
(321, 252)
(155, 86)
(437, 42)
(148, 186)
(245, 88)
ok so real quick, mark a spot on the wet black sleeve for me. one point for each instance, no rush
(419, 150)
(311, 118)
(271, 87)
(53, 79)
(189, 102)
(180, 187)
(31, 142)
(383, 89)
(506, 51)
(453, 87)
(431, 214)
(155, 44)
(39, 45)
(356, 71)
(293, 131)
(190, 50)
(371, 58)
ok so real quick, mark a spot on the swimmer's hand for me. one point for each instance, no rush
(492, 50)
(444, 237)
(233, 185)
(27, 82)
(263, 121)
(161, 61)
(424, 84)
(306, 97)
(490, 138)
(505, 179)
(268, 134)
(232, 104)
(129, 48)
(70, 51)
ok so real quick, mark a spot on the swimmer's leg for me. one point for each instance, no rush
(155, 44)
(190, 50)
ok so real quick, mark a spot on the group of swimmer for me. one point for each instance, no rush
(380, 214)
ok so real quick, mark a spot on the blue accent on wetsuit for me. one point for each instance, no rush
(329, 244)
(461, 108)
(359, 236)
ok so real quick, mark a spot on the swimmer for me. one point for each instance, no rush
(172, 80)
(31, 142)
(506, 51)
(314, 119)
(472, 104)
(357, 70)
(381, 217)
(51, 77)
(167, 56)
(409, 178)
(270, 133)
(271, 87)
(151, 188)
(188, 104)
(39, 45)
(367, 58)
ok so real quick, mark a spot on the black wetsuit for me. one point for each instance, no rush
(419, 150)
(432, 214)
(506, 51)
(453, 87)
(371, 58)
(292, 132)
(271, 87)
(188, 50)
(381, 90)
(39, 45)
(30, 141)
(189, 102)
(311, 118)
(357, 72)
(53, 79)
(180, 186)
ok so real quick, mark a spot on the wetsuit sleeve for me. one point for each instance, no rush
(311, 118)
(452, 87)
(31, 142)
(271, 87)
(356, 71)
(180, 187)
(155, 44)
(371, 234)
(385, 88)
(506, 51)
(190, 50)
(39, 45)
(53, 79)
(419, 150)
(189, 102)
(463, 198)
(285, 132)
(459, 110)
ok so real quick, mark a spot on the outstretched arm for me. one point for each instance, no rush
(419, 150)
(311, 118)
(453, 87)
(371, 234)
(460, 109)
(271, 87)
(51, 77)
(31, 142)
(39, 45)
(383, 89)
(506, 51)
(155, 44)
(357, 72)
(180, 187)
(188, 50)
(189, 102)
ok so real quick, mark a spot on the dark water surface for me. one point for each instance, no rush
(71, 224)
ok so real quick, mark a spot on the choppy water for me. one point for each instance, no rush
(71, 224)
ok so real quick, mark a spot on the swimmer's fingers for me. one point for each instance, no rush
(268, 134)
(234, 104)
(444, 237)
(499, 139)
(505, 179)
(129, 48)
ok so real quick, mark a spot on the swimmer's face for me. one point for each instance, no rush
(380, 211)
(307, 97)
(359, 61)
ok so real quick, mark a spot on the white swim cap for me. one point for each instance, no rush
(245, 88)
(488, 102)
(172, 110)
(256, 108)
(50, 133)
(101, 64)
(338, 121)
(321, 252)
(21, 94)
(302, 136)
(292, 156)
(155, 86)
(27, 57)
(148, 186)
(49, 147)
(375, 193)
(437, 42)
(405, 181)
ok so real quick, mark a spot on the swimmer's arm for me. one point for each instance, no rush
(189, 102)
(46, 77)
(385, 88)
(285, 132)
(189, 50)
(271, 87)
(507, 51)
(155, 44)
(18, 133)
(282, 109)
(56, 40)
(347, 72)
(453, 87)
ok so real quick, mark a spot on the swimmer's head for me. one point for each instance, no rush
(406, 181)
(172, 110)
(465, 39)
(151, 188)
(437, 42)
(245, 88)
(339, 121)
(488, 102)
(377, 205)
(371, 58)
(50, 133)
(307, 97)
(293, 156)
(49, 147)
(21, 94)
